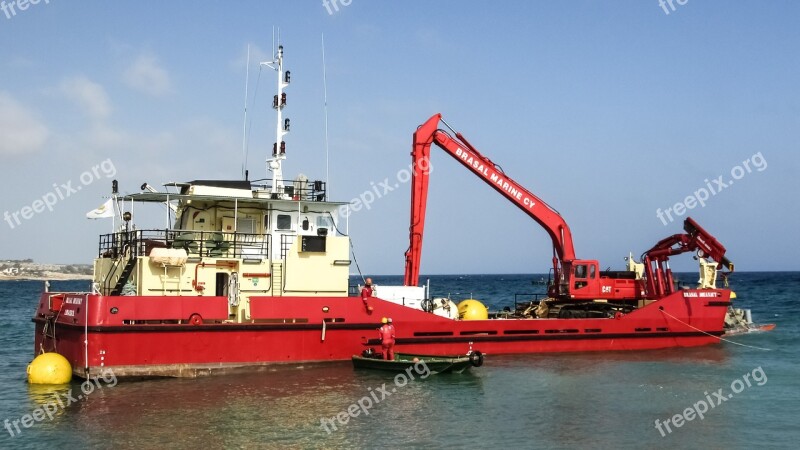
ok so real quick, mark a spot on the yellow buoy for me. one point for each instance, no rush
(472, 309)
(733, 295)
(49, 368)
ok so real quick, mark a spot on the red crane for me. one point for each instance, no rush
(656, 260)
(575, 279)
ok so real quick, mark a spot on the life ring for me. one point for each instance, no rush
(476, 358)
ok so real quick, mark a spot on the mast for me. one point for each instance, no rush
(274, 164)
(244, 126)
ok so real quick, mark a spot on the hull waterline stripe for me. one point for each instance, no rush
(553, 337)
(414, 340)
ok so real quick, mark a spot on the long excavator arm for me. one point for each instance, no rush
(460, 149)
(574, 279)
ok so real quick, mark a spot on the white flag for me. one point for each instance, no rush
(103, 211)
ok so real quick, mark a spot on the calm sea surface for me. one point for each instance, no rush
(598, 400)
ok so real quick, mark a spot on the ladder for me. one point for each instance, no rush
(277, 279)
(126, 274)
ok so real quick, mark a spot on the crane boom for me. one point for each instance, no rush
(574, 279)
(460, 149)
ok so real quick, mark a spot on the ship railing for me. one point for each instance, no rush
(353, 290)
(286, 243)
(309, 191)
(215, 244)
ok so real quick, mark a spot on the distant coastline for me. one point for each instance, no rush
(47, 277)
(26, 269)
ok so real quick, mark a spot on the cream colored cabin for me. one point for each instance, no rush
(228, 239)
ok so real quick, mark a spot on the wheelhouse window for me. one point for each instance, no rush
(246, 225)
(283, 222)
(324, 222)
(580, 276)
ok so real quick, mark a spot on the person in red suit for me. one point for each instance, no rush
(366, 292)
(391, 325)
(386, 334)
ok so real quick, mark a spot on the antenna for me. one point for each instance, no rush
(244, 127)
(325, 100)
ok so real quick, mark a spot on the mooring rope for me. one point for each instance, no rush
(720, 338)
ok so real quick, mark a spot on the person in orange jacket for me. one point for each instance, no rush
(366, 292)
(386, 334)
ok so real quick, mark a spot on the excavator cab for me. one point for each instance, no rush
(583, 273)
(583, 280)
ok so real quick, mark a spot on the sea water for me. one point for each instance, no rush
(598, 400)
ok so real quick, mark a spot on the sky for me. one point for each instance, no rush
(608, 111)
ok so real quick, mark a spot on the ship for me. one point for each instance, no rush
(250, 274)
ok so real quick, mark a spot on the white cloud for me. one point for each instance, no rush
(103, 137)
(147, 76)
(89, 95)
(21, 131)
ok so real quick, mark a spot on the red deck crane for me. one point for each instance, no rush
(575, 279)
(656, 260)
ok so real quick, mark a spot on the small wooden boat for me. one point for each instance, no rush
(405, 362)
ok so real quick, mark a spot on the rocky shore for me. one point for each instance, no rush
(46, 276)
(26, 269)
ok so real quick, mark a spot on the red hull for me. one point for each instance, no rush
(186, 336)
